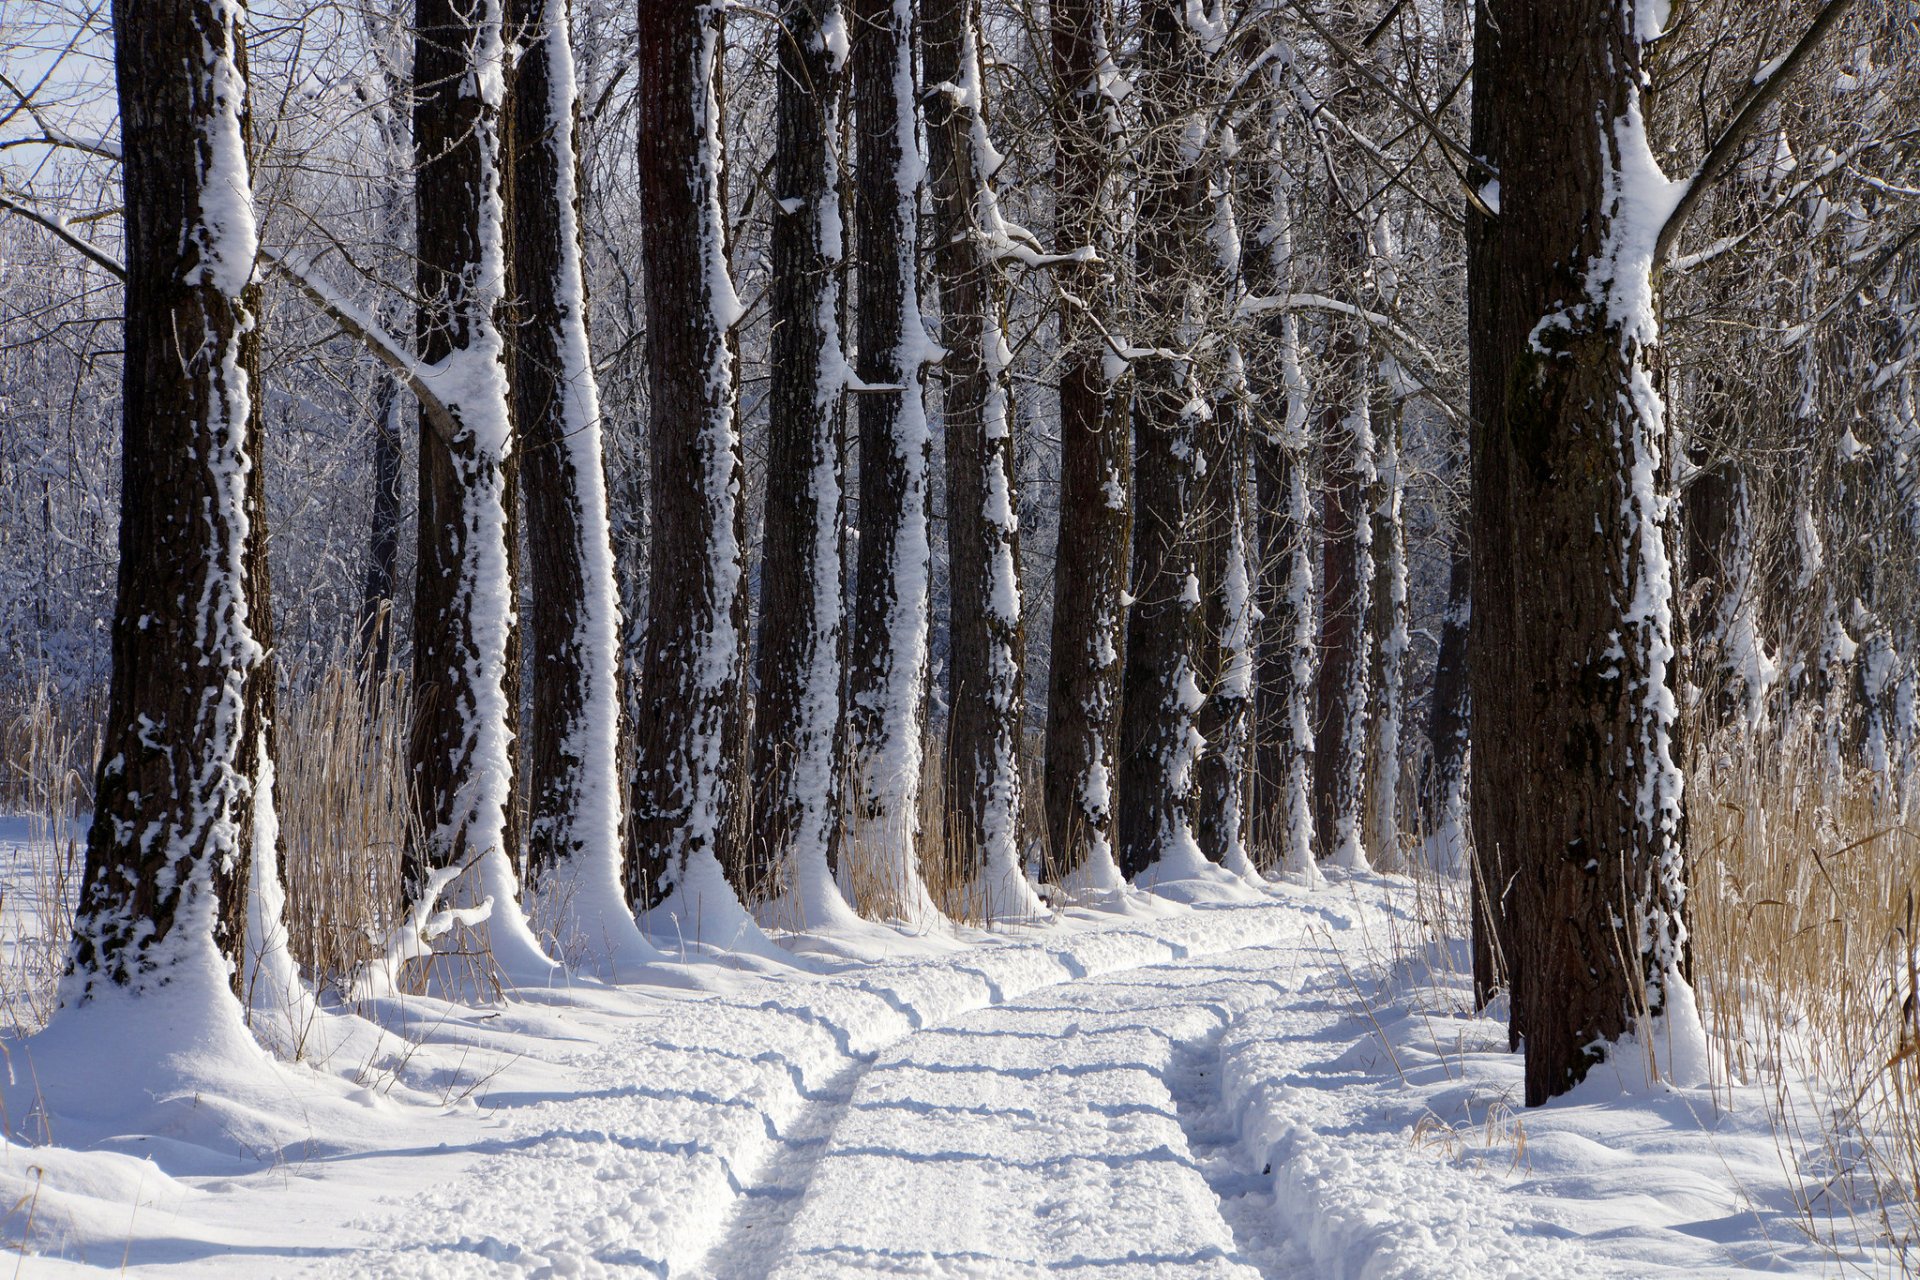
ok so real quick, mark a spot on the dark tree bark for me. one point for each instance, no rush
(887, 681)
(465, 650)
(1341, 691)
(1490, 620)
(1281, 818)
(1090, 553)
(383, 542)
(1158, 746)
(986, 669)
(163, 898)
(574, 851)
(799, 762)
(1449, 710)
(1594, 806)
(1225, 659)
(686, 802)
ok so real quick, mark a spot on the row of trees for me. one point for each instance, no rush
(1243, 313)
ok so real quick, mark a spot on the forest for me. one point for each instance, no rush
(503, 498)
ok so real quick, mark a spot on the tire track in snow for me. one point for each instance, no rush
(1245, 1194)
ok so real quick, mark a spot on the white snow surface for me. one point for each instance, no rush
(1284, 1087)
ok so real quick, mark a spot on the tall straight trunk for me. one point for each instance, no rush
(887, 683)
(1226, 665)
(461, 752)
(383, 540)
(384, 96)
(687, 788)
(1597, 806)
(1225, 655)
(1159, 745)
(184, 748)
(574, 804)
(1489, 622)
(986, 671)
(1090, 552)
(1342, 691)
(1387, 642)
(799, 763)
(1282, 786)
(1447, 721)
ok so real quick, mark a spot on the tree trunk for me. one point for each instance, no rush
(574, 804)
(1282, 794)
(464, 653)
(1159, 745)
(1342, 693)
(1226, 666)
(799, 764)
(1090, 552)
(887, 683)
(383, 543)
(686, 793)
(1447, 722)
(1387, 642)
(1596, 802)
(168, 854)
(986, 666)
(1490, 615)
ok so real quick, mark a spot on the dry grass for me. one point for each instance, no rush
(50, 744)
(1803, 914)
(343, 804)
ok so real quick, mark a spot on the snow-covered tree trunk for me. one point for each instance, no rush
(574, 808)
(1159, 745)
(384, 96)
(1387, 646)
(1090, 553)
(163, 897)
(1282, 786)
(986, 664)
(461, 752)
(686, 788)
(1448, 716)
(887, 684)
(1226, 717)
(1599, 804)
(799, 762)
(1342, 690)
(1225, 654)
(1343, 694)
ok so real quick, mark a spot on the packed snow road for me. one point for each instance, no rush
(1293, 1085)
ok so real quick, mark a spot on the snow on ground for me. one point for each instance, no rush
(1281, 1088)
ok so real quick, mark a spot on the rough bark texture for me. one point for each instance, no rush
(1090, 553)
(1158, 743)
(1341, 689)
(1490, 616)
(562, 537)
(1452, 696)
(690, 730)
(986, 669)
(799, 764)
(886, 686)
(191, 685)
(1593, 807)
(1225, 655)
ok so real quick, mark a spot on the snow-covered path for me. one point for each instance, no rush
(1275, 1089)
(1075, 1131)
